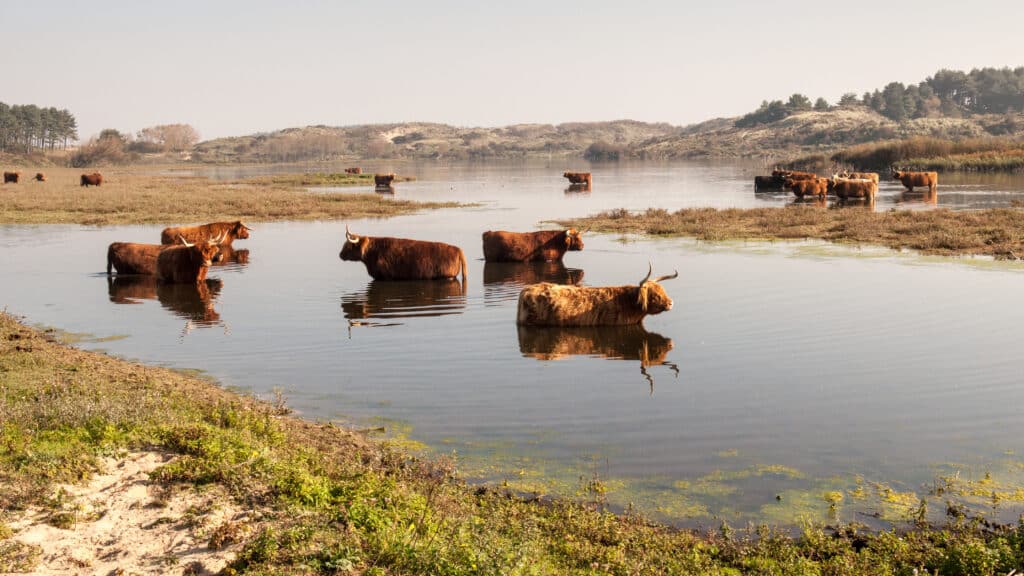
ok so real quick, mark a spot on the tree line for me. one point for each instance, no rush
(949, 93)
(24, 128)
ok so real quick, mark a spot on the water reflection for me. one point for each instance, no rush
(578, 188)
(921, 197)
(193, 302)
(611, 342)
(504, 280)
(815, 201)
(387, 301)
(229, 255)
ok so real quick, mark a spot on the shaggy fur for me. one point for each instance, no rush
(405, 259)
(769, 182)
(845, 189)
(548, 304)
(204, 232)
(578, 177)
(873, 176)
(182, 264)
(94, 179)
(914, 179)
(808, 187)
(543, 246)
(133, 258)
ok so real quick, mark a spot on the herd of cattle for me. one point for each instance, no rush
(844, 185)
(186, 253)
(94, 179)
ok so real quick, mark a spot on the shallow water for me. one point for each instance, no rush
(783, 369)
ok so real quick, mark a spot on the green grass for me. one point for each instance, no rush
(327, 501)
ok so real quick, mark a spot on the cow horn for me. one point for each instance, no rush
(218, 239)
(650, 269)
(244, 225)
(183, 241)
(667, 277)
(350, 236)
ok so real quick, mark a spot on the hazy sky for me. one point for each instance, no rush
(232, 68)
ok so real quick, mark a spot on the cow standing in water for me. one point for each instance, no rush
(912, 180)
(227, 231)
(579, 178)
(186, 263)
(404, 259)
(555, 305)
(543, 246)
(133, 257)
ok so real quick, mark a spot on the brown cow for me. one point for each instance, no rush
(578, 178)
(186, 263)
(873, 176)
(793, 174)
(554, 305)
(769, 183)
(404, 259)
(546, 245)
(228, 231)
(808, 187)
(354, 170)
(40, 177)
(11, 177)
(848, 189)
(914, 179)
(94, 179)
(383, 180)
(133, 258)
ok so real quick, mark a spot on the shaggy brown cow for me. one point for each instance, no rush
(186, 263)
(546, 245)
(11, 177)
(228, 231)
(404, 259)
(355, 170)
(40, 177)
(94, 179)
(769, 182)
(554, 305)
(913, 179)
(578, 177)
(809, 187)
(793, 174)
(873, 176)
(847, 189)
(383, 180)
(133, 258)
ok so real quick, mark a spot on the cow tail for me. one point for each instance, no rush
(462, 258)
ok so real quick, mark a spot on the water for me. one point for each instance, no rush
(784, 369)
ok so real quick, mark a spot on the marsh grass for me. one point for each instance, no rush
(129, 196)
(995, 232)
(929, 153)
(324, 500)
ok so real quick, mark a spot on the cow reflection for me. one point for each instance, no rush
(383, 300)
(229, 255)
(611, 342)
(193, 302)
(504, 280)
(578, 188)
(922, 197)
(815, 201)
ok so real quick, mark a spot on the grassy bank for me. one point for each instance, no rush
(328, 501)
(129, 196)
(994, 232)
(925, 153)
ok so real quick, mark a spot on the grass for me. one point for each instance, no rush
(995, 232)
(928, 153)
(129, 196)
(326, 501)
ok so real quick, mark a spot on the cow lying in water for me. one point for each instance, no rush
(228, 232)
(404, 259)
(555, 305)
(543, 246)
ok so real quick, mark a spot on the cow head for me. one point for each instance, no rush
(573, 240)
(240, 230)
(652, 298)
(787, 183)
(353, 248)
(207, 251)
(896, 174)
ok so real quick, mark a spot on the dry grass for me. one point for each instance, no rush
(129, 196)
(995, 232)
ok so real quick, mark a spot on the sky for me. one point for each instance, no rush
(235, 68)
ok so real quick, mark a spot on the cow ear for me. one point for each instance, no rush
(641, 299)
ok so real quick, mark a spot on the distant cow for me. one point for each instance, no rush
(546, 245)
(186, 263)
(847, 189)
(354, 170)
(383, 180)
(793, 174)
(227, 231)
(133, 258)
(914, 179)
(40, 177)
(94, 179)
(556, 305)
(873, 176)
(808, 187)
(578, 177)
(11, 177)
(769, 182)
(404, 259)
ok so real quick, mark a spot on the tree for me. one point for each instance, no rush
(847, 100)
(169, 137)
(821, 105)
(798, 102)
(894, 104)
